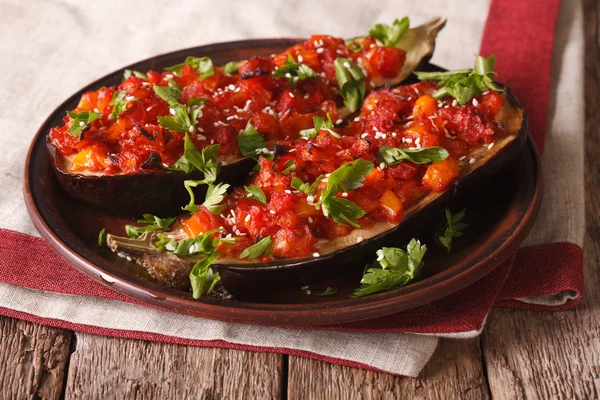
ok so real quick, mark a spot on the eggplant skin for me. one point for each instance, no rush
(160, 192)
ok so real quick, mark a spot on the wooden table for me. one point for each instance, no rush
(521, 354)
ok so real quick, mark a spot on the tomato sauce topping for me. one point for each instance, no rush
(406, 117)
(131, 139)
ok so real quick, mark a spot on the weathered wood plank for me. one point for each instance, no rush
(110, 368)
(557, 355)
(32, 360)
(454, 371)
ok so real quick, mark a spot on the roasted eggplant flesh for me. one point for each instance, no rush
(481, 137)
(115, 149)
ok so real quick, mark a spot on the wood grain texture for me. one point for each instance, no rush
(32, 360)
(557, 355)
(454, 371)
(111, 368)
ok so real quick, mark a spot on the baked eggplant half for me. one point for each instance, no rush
(123, 148)
(337, 194)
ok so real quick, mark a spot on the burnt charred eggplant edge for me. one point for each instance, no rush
(162, 191)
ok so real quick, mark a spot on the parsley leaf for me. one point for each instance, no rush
(289, 167)
(231, 68)
(320, 124)
(152, 223)
(254, 192)
(327, 292)
(204, 161)
(120, 101)
(294, 71)
(464, 84)
(264, 246)
(204, 243)
(387, 35)
(251, 143)
(353, 46)
(169, 94)
(351, 81)
(215, 195)
(309, 189)
(128, 72)
(393, 268)
(102, 237)
(452, 227)
(179, 121)
(202, 66)
(393, 155)
(202, 278)
(347, 177)
(80, 120)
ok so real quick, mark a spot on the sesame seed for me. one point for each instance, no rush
(344, 194)
(231, 117)
(475, 102)
(300, 59)
(231, 87)
(416, 91)
(490, 146)
(320, 50)
(308, 292)
(169, 76)
(462, 158)
(408, 140)
(357, 119)
(250, 194)
(272, 212)
(472, 160)
(315, 254)
(310, 220)
(191, 129)
(288, 191)
(339, 121)
(347, 64)
(454, 103)
(380, 257)
(82, 123)
(172, 111)
(291, 95)
(381, 165)
(288, 75)
(129, 98)
(359, 239)
(364, 135)
(307, 95)
(149, 108)
(247, 218)
(304, 287)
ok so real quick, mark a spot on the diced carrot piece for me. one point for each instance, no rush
(88, 101)
(441, 174)
(89, 159)
(425, 106)
(392, 205)
(201, 222)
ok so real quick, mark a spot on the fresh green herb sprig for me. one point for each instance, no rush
(262, 247)
(450, 228)
(319, 124)
(464, 84)
(119, 102)
(346, 178)
(80, 120)
(202, 277)
(393, 155)
(102, 237)
(214, 196)
(195, 160)
(201, 65)
(231, 68)
(252, 144)
(204, 243)
(152, 223)
(309, 189)
(128, 72)
(351, 80)
(393, 268)
(294, 71)
(256, 193)
(327, 292)
(386, 35)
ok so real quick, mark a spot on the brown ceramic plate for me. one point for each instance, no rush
(500, 214)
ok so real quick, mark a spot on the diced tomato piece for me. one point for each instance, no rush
(201, 222)
(386, 61)
(296, 242)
